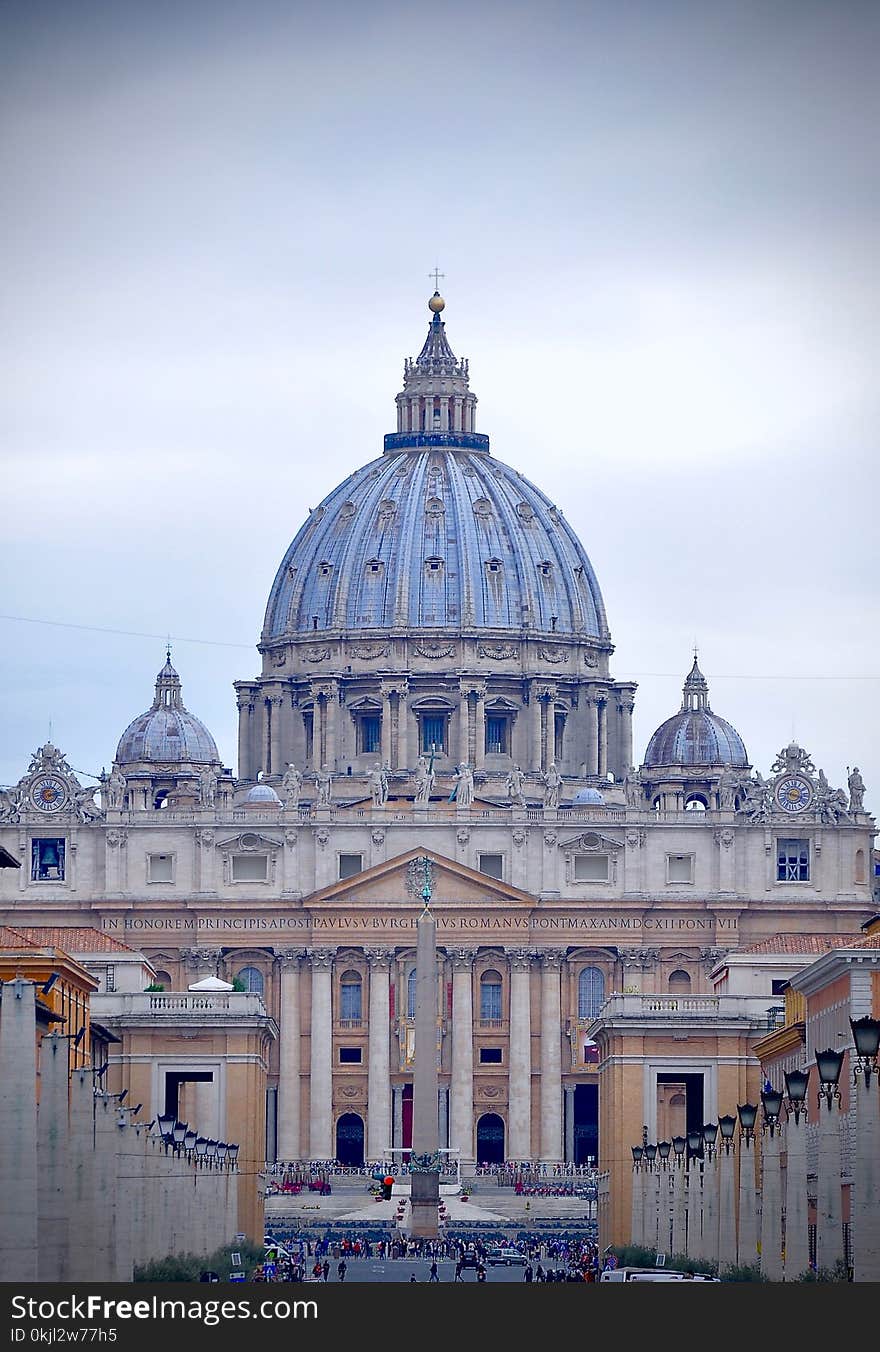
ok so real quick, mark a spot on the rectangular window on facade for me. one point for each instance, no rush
(250, 868)
(497, 735)
(110, 979)
(679, 868)
(433, 732)
(778, 987)
(47, 859)
(350, 864)
(792, 861)
(492, 865)
(490, 1056)
(160, 868)
(370, 733)
(349, 1056)
(591, 868)
(308, 730)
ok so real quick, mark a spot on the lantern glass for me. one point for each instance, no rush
(866, 1035)
(651, 1153)
(178, 1132)
(189, 1140)
(710, 1132)
(727, 1125)
(829, 1064)
(165, 1123)
(678, 1144)
(796, 1082)
(637, 1154)
(748, 1113)
(772, 1103)
(695, 1141)
(663, 1149)
(201, 1145)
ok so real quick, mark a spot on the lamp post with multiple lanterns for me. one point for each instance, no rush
(865, 1192)
(747, 1239)
(726, 1193)
(797, 1241)
(771, 1185)
(829, 1205)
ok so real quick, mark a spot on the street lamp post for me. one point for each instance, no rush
(797, 1239)
(771, 1186)
(694, 1195)
(710, 1193)
(829, 1217)
(747, 1245)
(726, 1194)
(638, 1204)
(865, 1192)
(679, 1198)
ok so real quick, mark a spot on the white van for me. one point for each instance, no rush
(637, 1274)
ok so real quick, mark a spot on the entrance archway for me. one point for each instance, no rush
(350, 1139)
(490, 1139)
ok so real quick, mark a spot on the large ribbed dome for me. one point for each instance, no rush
(167, 732)
(436, 534)
(696, 736)
(436, 537)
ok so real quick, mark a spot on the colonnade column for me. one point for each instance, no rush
(18, 1155)
(321, 1064)
(519, 1129)
(289, 1059)
(625, 714)
(534, 728)
(551, 1057)
(397, 1115)
(461, 1128)
(379, 1071)
(275, 706)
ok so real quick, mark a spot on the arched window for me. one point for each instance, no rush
(695, 804)
(679, 982)
(490, 995)
(591, 992)
(251, 979)
(411, 995)
(350, 996)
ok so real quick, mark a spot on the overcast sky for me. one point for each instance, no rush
(658, 225)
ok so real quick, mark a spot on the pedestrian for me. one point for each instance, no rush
(413, 1277)
(539, 1273)
(325, 1268)
(434, 1277)
(458, 1271)
(528, 1274)
(341, 1269)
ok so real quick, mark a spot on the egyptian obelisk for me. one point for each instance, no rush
(425, 1159)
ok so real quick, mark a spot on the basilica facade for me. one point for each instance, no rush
(436, 702)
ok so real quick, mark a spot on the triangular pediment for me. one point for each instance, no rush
(591, 840)
(390, 883)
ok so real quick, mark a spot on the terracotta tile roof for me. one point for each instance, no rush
(801, 943)
(74, 938)
(11, 938)
(869, 941)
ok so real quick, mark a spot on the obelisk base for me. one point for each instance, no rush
(424, 1200)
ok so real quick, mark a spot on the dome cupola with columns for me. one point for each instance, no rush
(435, 598)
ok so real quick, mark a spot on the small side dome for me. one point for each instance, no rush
(167, 732)
(262, 794)
(696, 736)
(588, 795)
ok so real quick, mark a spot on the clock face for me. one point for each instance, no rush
(794, 794)
(49, 793)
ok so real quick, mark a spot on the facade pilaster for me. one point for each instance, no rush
(519, 1129)
(461, 1131)
(321, 1061)
(379, 1066)
(289, 1055)
(551, 1057)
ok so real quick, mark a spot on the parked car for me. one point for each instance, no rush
(505, 1256)
(655, 1274)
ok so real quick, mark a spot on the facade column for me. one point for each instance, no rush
(276, 763)
(245, 733)
(747, 1235)
(321, 1063)
(551, 1057)
(568, 1092)
(727, 1205)
(592, 764)
(386, 727)
(519, 1130)
(289, 1135)
(331, 711)
(603, 738)
(103, 1255)
(379, 1071)
(480, 729)
(625, 715)
(461, 1130)
(18, 1140)
(397, 1119)
(534, 729)
(403, 756)
(865, 1190)
(797, 1234)
(679, 1203)
(84, 1199)
(464, 720)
